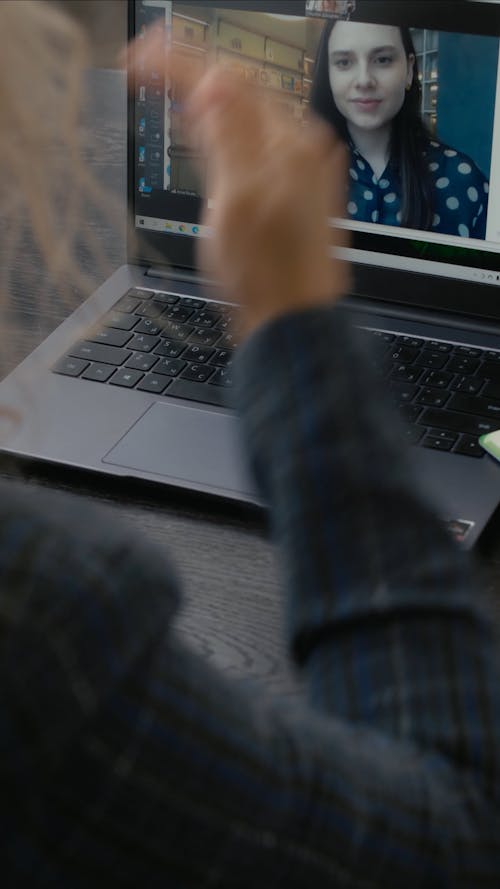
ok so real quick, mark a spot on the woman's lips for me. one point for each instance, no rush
(366, 104)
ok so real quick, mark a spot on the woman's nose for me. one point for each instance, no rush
(364, 75)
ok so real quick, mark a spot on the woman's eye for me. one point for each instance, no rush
(384, 60)
(342, 64)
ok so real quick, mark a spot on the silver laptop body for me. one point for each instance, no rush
(173, 440)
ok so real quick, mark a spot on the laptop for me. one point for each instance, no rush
(137, 383)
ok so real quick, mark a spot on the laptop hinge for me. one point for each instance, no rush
(179, 275)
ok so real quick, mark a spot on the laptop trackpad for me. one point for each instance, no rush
(193, 445)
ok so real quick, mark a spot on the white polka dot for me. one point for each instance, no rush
(474, 221)
(352, 208)
(399, 216)
(384, 183)
(374, 179)
(472, 193)
(486, 187)
(360, 164)
(435, 144)
(353, 174)
(481, 208)
(450, 152)
(375, 216)
(452, 203)
(436, 220)
(443, 182)
(368, 195)
(463, 230)
(433, 167)
(390, 198)
(464, 168)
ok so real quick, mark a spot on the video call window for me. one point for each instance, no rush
(410, 95)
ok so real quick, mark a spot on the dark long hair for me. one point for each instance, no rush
(409, 136)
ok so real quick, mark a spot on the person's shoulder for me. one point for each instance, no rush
(445, 160)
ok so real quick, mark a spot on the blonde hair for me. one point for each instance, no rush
(46, 184)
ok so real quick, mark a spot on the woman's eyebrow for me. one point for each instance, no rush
(376, 49)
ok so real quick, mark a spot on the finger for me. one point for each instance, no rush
(229, 118)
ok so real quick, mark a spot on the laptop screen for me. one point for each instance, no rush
(412, 88)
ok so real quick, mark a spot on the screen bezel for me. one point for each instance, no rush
(415, 289)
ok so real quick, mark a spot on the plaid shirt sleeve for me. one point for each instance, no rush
(128, 761)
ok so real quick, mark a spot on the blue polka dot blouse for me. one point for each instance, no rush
(460, 192)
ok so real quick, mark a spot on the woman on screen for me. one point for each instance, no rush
(366, 84)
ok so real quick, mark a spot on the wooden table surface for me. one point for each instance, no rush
(233, 600)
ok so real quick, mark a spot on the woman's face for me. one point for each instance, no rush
(369, 72)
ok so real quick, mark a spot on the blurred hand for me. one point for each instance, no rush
(273, 182)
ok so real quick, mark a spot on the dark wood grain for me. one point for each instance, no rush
(229, 570)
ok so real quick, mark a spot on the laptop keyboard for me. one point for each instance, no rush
(182, 347)
(161, 343)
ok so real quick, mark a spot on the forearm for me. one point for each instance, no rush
(380, 607)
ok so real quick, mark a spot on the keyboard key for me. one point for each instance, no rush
(153, 383)
(444, 433)
(199, 354)
(412, 434)
(168, 299)
(490, 370)
(140, 293)
(141, 342)
(403, 392)
(433, 397)
(127, 304)
(492, 356)
(197, 372)
(204, 336)
(436, 360)
(70, 367)
(471, 386)
(100, 373)
(120, 320)
(142, 361)
(412, 341)
(125, 377)
(173, 330)
(468, 351)
(491, 389)
(149, 326)
(109, 335)
(483, 407)
(216, 395)
(222, 358)
(470, 446)
(438, 379)
(463, 365)
(99, 352)
(178, 313)
(406, 374)
(403, 354)
(205, 318)
(222, 377)
(192, 302)
(437, 444)
(169, 348)
(230, 341)
(378, 335)
(438, 346)
(455, 422)
(170, 366)
(151, 309)
(410, 412)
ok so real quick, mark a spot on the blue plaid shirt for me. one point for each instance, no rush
(128, 761)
